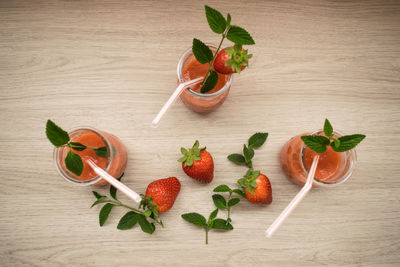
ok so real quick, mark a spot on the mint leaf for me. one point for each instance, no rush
(336, 142)
(236, 158)
(101, 199)
(77, 146)
(101, 151)
(97, 195)
(239, 35)
(348, 142)
(201, 52)
(147, 213)
(104, 212)
(239, 192)
(113, 190)
(55, 134)
(195, 218)
(219, 201)
(221, 224)
(248, 153)
(215, 20)
(233, 202)
(316, 143)
(128, 220)
(228, 20)
(210, 82)
(145, 225)
(328, 129)
(257, 140)
(74, 163)
(222, 188)
(213, 214)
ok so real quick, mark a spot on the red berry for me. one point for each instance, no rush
(164, 192)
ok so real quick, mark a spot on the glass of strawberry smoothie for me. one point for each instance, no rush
(114, 163)
(188, 69)
(333, 167)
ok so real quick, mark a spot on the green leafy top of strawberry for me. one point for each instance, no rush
(192, 154)
(249, 180)
(318, 143)
(238, 59)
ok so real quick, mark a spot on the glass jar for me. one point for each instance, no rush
(293, 163)
(197, 101)
(115, 163)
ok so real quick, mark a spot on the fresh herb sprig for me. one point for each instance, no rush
(212, 222)
(60, 138)
(146, 214)
(203, 53)
(319, 143)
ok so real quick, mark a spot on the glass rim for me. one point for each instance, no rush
(181, 80)
(65, 173)
(346, 176)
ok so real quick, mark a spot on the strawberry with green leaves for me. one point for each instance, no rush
(232, 60)
(197, 163)
(257, 187)
(162, 194)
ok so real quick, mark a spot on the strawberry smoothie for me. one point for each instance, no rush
(189, 68)
(333, 167)
(114, 163)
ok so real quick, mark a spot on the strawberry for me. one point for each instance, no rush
(231, 60)
(257, 187)
(198, 163)
(162, 193)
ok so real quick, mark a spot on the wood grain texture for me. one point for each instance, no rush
(112, 64)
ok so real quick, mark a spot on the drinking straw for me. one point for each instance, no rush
(114, 182)
(295, 201)
(178, 91)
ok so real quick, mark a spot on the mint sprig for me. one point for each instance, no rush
(203, 54)
(144, 215)
(212, 222)
(319, 143)
(60, 138)
(255, 141)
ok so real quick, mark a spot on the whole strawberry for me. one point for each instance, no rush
(257, 187)
(162, 193)
(198, 163)
(231, 60)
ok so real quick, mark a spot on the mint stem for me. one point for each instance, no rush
(207, 235)
(216, 53)
(229, 208)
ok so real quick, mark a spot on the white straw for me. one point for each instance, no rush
(114, 182)
(295, 201)
(178, 91)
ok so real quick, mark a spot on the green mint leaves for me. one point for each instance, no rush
(347, 142)
(319, 143)
(212, 222)
(204, 55)
(255, 141)
(210, 82)
(239, 35)
(74, 163)
(215, 19)
(146, 217)
(190, 155)
(201, 51)
(221, 203)
(60, 138)
(55, 134)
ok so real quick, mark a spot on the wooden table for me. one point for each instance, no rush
(112, 64)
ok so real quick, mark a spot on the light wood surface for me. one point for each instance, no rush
(112, 65)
